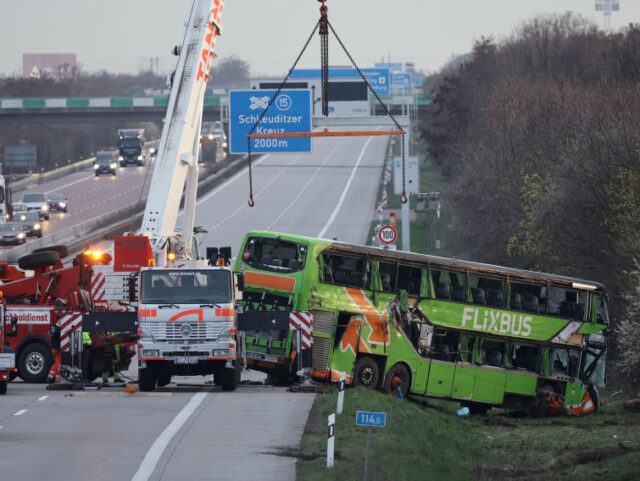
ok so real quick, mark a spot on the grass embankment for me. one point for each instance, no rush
(425, 439)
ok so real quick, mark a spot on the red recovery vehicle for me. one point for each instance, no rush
(45, 314)
(7, 357)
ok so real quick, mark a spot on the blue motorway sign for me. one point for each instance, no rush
(401, 81)
(291, 112)
(379, 78)
(418, 81)
(371, 419)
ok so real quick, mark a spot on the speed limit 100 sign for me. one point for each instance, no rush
(387, 234)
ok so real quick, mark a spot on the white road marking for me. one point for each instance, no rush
(344, 192)
(20, 413)
(150, 461)
(42, 398)
(69, 184)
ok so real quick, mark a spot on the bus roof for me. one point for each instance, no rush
(346, 248)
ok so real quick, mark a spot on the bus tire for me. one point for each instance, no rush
(398, 377)
(63, 251)
(34, 362)
(39, 259)
(146, 379)
(366, 373)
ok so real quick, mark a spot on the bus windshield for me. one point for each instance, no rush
(185, 286)
(274, 254)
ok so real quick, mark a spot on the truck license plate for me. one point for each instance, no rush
(254, 355)
(186, 360)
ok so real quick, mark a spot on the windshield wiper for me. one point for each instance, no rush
(210, 305)
(161, 306)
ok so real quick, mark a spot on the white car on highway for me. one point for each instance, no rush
(37, 202)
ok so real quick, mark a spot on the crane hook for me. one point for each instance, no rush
(251, 201)
(404, 198)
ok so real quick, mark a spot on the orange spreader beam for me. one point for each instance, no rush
(326, 133)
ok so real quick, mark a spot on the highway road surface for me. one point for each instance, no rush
(240, 435)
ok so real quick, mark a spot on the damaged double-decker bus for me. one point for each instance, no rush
(484, 335)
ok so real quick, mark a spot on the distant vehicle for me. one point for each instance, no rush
(19, 207)
(57, 201)
(12, 233)
(131, 147)
(5, 200)
(37, 202)
(31, 223)
(105, 163)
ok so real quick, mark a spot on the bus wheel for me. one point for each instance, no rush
(366, 373)
(397, 377)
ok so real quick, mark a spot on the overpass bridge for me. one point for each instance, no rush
(144, 109)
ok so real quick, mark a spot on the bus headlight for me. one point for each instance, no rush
(220, 352)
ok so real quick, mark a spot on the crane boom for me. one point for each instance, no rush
(177, 160)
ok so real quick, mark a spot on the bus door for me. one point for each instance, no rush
(465, 369)
(443, 362)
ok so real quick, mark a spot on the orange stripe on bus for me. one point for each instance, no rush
(270, 280)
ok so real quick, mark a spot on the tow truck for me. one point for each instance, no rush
(185, 303)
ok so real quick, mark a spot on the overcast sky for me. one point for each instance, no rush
(123, 35)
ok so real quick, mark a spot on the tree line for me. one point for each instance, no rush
(537, 139)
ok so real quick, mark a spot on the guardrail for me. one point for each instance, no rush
(39, 178)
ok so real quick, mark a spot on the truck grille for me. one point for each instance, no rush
(323, 321)
(320, 353)
(178, 333)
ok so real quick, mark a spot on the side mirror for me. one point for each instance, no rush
(14, 327)
(240, 282)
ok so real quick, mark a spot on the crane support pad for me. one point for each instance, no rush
(263, 321)
(110, 322)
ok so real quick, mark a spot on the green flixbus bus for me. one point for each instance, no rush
(480, 334)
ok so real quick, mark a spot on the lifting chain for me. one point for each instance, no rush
(324, 57)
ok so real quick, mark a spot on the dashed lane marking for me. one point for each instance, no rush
(20, 413)
(42, 398)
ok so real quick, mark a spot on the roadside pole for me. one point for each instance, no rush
(406, 227)
(341, 394)
(330, 440)
(366, 456)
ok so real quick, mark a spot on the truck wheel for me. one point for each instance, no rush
(39, 259)
(164, 378)
(146, 380)
(34, 362)
(3, 387)
(63, 251)
(228, 380)
(366, 373)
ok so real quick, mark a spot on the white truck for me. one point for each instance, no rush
(186, 310)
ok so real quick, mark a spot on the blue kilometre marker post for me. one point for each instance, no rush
(370, 420)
